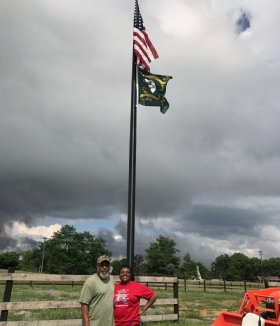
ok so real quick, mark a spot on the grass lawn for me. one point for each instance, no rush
(195, 306)
(16, 271)
(204, 307)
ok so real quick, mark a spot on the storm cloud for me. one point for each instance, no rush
(207, 171)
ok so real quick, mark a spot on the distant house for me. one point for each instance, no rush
(273, 281)
(258, 279)
(270, 279)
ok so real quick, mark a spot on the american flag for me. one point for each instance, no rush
(143, 47)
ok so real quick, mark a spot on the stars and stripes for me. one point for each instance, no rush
(143, 47)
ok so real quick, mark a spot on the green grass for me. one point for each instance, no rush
(208, 304)
(200, 308)
(16, 271)
(196, 308)
(181, 322)
(44, 293)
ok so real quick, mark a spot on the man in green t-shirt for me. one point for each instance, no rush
(97, 296)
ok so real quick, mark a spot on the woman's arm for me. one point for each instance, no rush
(148, 304)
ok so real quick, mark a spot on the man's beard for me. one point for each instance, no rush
(103, 276)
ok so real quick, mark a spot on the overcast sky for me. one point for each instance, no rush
(208, 171)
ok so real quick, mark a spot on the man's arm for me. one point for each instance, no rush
(85, 315)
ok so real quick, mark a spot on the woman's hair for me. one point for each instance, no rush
(125, 266)
(130, 270)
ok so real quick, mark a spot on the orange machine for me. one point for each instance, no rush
(258, 308)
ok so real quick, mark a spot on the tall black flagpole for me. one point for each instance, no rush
(132, 169)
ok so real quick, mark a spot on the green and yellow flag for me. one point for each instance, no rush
(152, 89)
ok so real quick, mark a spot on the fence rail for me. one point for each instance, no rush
(7, 306)
(182, 283)
(220, 285)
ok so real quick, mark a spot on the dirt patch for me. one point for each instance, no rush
(207, 313)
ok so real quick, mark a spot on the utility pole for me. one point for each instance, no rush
(43, 256)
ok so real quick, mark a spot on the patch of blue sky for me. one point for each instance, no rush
(81, 225)
(243, 22)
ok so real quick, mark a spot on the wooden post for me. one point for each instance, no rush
(225, 289)
(185, 284)
(245, 286)
(266, 283)
(204, 285)
(176, 296)
(7, 295)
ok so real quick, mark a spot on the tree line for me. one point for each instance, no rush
(72, 252)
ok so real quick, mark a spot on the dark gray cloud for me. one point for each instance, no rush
(222, 221)
(207, 170)
(118, 248)
(6, 242)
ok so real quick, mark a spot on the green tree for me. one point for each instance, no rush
(9, 259)
(256, 268)
(188, 268)
(233, 274)
(220, 265)
(78, 252)
(55, 260)
(139, 265)
(31, 260)
(143, 269)
(239, 268)
(266, 268)
(116, 265)
(272, 266)
(161, 257)
(66, 252)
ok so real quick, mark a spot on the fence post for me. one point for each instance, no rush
(225, 289)
(176, 296)
(185, 284)
(266, 283)
(245, 287)
(204, 285)
(7, 295)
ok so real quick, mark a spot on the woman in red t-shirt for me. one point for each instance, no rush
(127, 297)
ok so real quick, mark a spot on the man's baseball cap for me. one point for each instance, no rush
(103, 258)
